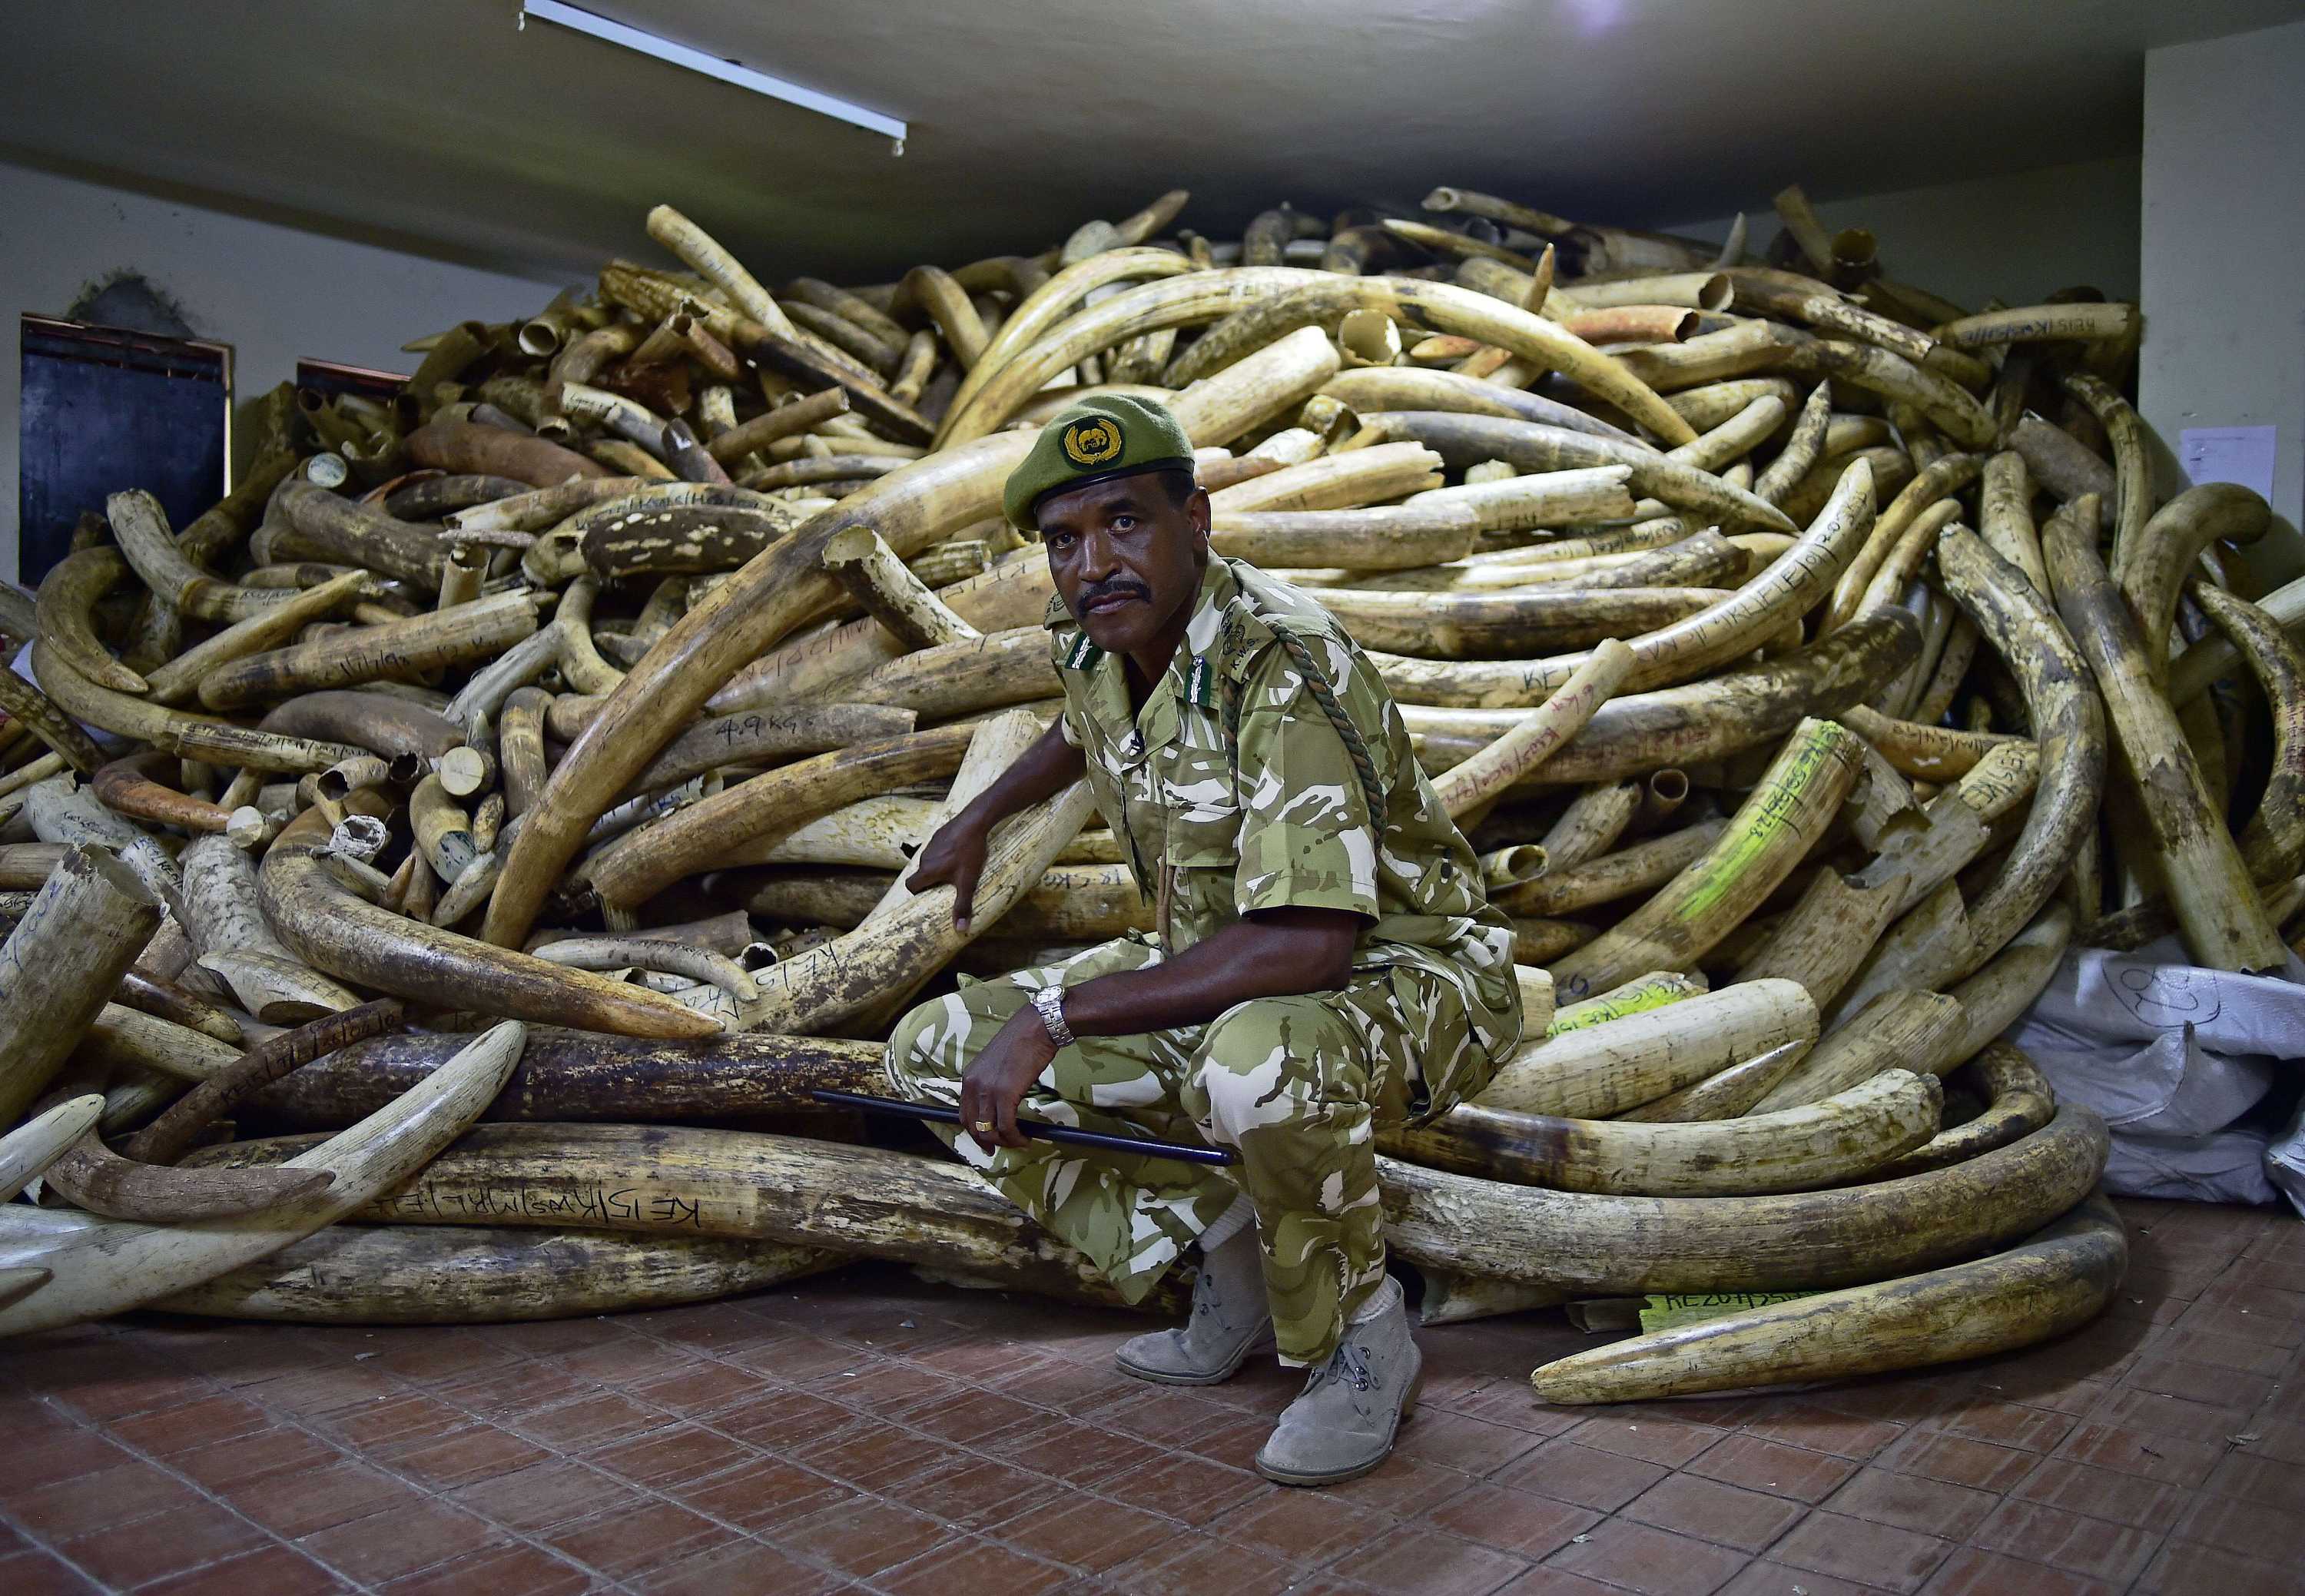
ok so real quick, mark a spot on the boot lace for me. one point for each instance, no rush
(1346, 1364)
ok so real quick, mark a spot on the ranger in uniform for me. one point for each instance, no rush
(1325, 962)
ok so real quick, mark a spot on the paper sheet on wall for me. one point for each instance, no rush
(2243, 454)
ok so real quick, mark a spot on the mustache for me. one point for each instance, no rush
(1114, 588)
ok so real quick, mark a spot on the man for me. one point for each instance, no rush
(1324, 962)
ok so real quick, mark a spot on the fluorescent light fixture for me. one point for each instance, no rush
(711, 66)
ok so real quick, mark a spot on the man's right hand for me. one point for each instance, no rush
(954, 857)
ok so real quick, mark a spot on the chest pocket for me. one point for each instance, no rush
(1205, 837)
(1203, 845)
(1203, 808)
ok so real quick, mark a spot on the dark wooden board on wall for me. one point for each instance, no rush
(105, 409)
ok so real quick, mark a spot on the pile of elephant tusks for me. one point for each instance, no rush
(440, 874)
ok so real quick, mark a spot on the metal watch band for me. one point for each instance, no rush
(1050, 1001)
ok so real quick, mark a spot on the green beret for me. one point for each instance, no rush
(1111, 435)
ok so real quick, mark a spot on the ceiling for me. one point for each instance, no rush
(441, 126)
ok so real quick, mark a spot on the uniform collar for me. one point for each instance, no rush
(1218, 586)
(1191, 676)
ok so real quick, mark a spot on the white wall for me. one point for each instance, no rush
(273, 292)
(2017, 236)
(2224, 256)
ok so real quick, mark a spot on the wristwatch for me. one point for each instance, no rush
(1050, 1001)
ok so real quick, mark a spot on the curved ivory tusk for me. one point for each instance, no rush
(2060, 463)
(1802, 449)
(103, 1267)
(587, 1075)
(141, 527)
(467, 448)
(759, 604)
(93, 1177)
(1789, 588)
(1797, 298)
(641, 952)
(2218, 912)
(1749, 346)
(65, 616)
(322, 525)
(1726, 1094)
(1992, 1000)
(83, 929)
(224, 913)
(2214, 658)
(2004, 516)
(1824, 1143)
(2151, 570)
(2058, 1279)
(1704, 721)
(967, 678)
(2132, 504)
(2018, 1103)
(2068, 723)
(1401, 387)
(2033, 323)
(1464, 440)
(671, 528)
(890, 593)
(1196, 296)
(1534, 739)
(1602, 1245)
(876, 833)
(1913, 1030)
(439, 1274)
(1593, 821)
(180, 678)
(1933, 486)
(128, 786)
(339, 932)
(1798, 797)
(733, 1184)
(2273, 842)
(1056, 299)
(122, 1038)
(1511, 623)
(1015, 591)
(1452, 1297)
(1646, 865)
(40, 1141)
(636, 867)
(469, 632)
(54, 723)
(1594, 1071)
(166, 1138)
(773, 734)
(894, 952)
(1656, 990)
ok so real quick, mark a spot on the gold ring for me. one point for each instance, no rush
(984, 1127)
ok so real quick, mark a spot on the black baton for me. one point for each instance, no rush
(1038, 1127)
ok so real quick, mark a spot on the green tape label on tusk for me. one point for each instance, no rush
(1599, 1012)
(1764, 815)
(1672, 1310)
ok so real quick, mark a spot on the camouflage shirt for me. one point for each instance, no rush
(1217, 825)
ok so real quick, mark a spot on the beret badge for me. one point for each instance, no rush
(1093, 442)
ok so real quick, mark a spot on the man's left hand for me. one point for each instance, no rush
(998, 1080)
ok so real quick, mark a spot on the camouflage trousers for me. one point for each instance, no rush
(1297, 1085)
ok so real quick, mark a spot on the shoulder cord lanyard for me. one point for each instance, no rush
(1324, 694)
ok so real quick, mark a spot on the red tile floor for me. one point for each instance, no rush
(862, 1432)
